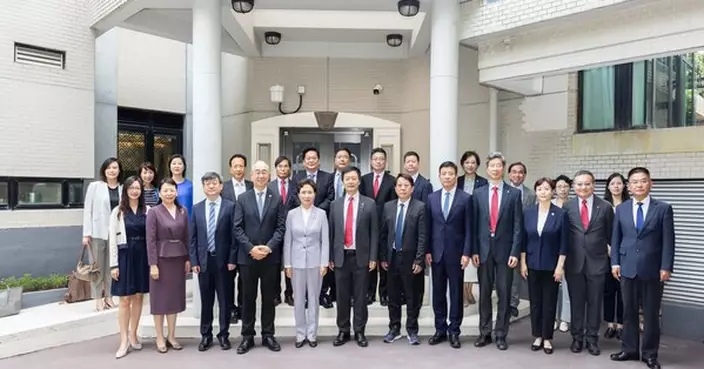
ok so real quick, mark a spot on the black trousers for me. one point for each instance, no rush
(650, 293)
(215, 280)
(492, 273)
(613, 301)
(263, 275)
(586, 302)
(380, 276)
(352, 280)
(543, 290)
(289, 289)
(328, 288)
(402, 282)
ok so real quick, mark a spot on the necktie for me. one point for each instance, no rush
(339, 186)
(283, 191)
(376, 185)
(446, 205)
(260, 204)
(640, 219)
(494, 209)
(398, 245)
(584, 214)
(348, 223)
(211, 227)
(311, 177)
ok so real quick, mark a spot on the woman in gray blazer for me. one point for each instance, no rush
(101, 197)
(306, 258)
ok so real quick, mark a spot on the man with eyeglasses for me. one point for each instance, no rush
(642, 256)
(591, 222)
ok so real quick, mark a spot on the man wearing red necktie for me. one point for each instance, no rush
(354, 242)
(378, 185)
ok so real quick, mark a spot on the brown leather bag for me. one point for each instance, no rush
(87, 272)
(78, 289)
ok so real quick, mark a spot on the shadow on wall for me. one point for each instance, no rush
(39, 251)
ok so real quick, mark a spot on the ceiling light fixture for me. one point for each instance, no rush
(394, 40)
(408, 8)
(272, 38)
(242, 6)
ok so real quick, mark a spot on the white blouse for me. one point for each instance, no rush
(542, 217)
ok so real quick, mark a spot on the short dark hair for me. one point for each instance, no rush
(281, 159)
(637, 170)
(241, 156)
(525, 170)
(170, 181)
(542, 180)
(349, 153)
(405, 176)
(411, 153)
(306, 182)
(564, 178)
(209, 176)
(496, 155)
(584, 172)
(309, 149)
(349, 169)
(183, 160)
(106, 164)
(467, 155)
(448, 164)
(378, 150)
(149, 166)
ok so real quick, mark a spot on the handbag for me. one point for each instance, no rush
(87, 272)
(10, 301)
(78, 289)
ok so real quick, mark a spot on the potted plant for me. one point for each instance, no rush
(37, 290)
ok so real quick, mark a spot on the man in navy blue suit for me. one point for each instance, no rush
(448, 252)
(422, 188)
(213, 256)
(642, 255)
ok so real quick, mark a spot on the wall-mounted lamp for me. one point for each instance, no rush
(272, 38)
(277, 93)
(394, 40)
(408, 8)
(277, 97)
(242, 6)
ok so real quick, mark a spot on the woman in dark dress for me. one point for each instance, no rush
(128, 262)
(167, 251)
(615, 193)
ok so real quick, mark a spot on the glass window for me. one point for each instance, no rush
(4, 193)
(75, 193)
(598, 98)
(39, 193)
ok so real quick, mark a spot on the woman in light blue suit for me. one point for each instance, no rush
(306, 258)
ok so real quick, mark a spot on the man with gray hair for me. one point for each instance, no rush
(212, 251)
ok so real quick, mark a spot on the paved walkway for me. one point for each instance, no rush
(675, 354)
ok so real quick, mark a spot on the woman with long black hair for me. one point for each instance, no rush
(615, 193)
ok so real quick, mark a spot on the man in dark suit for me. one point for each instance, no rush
(403, 243)
(498, 225)
(323, 180)
(213, 255)
(286, 188)
(448, 252)
(422, 188)
(354, 242)
(231, 190)
(591, 222)
(260, 223)
(379, 186)
(642, 257)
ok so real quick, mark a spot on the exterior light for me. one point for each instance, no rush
(272, 38)
(277, 93)
(243, 6)
(408, 8)
(394, 40)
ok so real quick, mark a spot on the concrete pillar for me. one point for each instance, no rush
(106, 49)
(207, 116)
(444, 84)
(493, 119)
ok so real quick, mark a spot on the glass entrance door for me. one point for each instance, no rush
(358, 141)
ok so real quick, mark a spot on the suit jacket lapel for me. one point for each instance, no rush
(504, 199)
(596, 209)
(220, 215)
(549, 221)
(648, 217)
(574, 213)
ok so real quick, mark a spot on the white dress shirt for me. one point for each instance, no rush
(278, 185)
(405, 211)
(542, 217)
(452, 198)
(218, 203)
(500, 186)
(590, 205)
(646, 205)
(354, 219)
(314, 174)
(239, 186)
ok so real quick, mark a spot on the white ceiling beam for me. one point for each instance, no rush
(420, 39)
(326, 19)
(241, 29)
(350, 50)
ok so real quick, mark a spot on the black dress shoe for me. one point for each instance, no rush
(577, 346)
(277, 300)
(288, 300)
(624, 356)
(271, 344)
(384, 301)
(245, 345)
(236, 315)
(300, 344)
(619, 333)
(652, 363)
(341, 339)
(593, 349)
(205, 344)
(534, 347)
(224, 343)
(501, 343)
(361, 339)
(547, 350)
(482, 341)
(313, 344)
(437, 338)
(514, 312)
(455, 341)
(609, 333)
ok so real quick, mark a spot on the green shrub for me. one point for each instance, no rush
(29, 283)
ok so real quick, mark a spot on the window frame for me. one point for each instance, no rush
(13, 184)
(6, 205)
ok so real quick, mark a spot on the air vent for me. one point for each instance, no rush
(34, 55)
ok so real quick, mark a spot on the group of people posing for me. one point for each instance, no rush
(335, 235)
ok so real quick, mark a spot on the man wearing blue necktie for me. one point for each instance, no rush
(642, 257)
(403, 239)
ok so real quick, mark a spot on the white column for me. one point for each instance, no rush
(493, 119)
(207, 116)
(444, 85)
